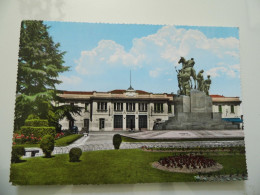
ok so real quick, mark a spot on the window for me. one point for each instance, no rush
(220, 108)
(101, 123)
(118, 106)
(118, 121)
(142, 121)
(169, 108)
(142, 107)
(86, 107)
(102, 106)
(130, 107)
(232, 109)
(158, 107)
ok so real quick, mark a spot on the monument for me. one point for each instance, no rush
(193, 105)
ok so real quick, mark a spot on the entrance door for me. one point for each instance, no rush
(142, 121)
(71, 124)
(130, 122)
(86, 125)
(118, 122)
(101, 124)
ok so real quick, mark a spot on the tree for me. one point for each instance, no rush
(39, 64)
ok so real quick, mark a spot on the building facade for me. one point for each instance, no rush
(131, 109)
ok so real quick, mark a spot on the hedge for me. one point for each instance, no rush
(36, 123)
(117, 140)
(33, 116)
(17, 152)
(75, 154)
(38, 131)
(47, 145)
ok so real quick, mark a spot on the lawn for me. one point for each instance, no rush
(64, 141)
(103, 167)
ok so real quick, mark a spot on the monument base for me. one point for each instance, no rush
(194, 112)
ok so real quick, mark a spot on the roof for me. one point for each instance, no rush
(78, 92)
(215, 96)
(114, 94)
(140, 94)
(221, 98)
(121, 91)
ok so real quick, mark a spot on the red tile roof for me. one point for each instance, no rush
(142, 92)
(78, 92)
(118, 91)
(215, 96)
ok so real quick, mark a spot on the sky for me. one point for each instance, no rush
(101, 56)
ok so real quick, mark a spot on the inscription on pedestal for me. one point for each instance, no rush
(200, 102)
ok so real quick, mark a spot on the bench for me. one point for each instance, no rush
(33, 151)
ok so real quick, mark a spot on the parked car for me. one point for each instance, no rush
(74, 130)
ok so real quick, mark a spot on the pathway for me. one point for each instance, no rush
(103, 141)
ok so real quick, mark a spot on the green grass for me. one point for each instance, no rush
(128, 139)
(231, 164)
(103, 167)
(64, 141)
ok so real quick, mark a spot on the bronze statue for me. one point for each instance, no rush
(200, 80)
(207, 84)
(187, 71)
(184, 78)
(185, 82)
(179, 80)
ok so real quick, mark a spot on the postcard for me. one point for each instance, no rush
(100, 103)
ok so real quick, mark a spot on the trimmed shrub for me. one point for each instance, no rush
(35, 128)
(47, 145)
(36, 123)
(38, 131)
(117, 140)
(75, 154)
(17, 152)
(32, 116)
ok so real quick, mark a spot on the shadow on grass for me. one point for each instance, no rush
(75, 161)
(20, 161)
(48, 157)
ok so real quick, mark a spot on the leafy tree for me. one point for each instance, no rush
(39, 64)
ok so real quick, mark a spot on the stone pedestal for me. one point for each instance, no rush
(194, 112)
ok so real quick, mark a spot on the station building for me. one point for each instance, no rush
(133, 109)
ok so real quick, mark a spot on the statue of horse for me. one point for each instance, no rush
(187, 68)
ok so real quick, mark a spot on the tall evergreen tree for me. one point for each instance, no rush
(39, 64)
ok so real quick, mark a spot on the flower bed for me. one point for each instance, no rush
(59, 135)
(22, 139)
(187, 164)
(32, 139)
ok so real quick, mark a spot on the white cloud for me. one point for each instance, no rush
(163, 49)
(232, 53)
(231, 71)
(215, 72)
(220, 63)
(71, 80)
(107, 53)
(155, 73)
